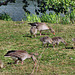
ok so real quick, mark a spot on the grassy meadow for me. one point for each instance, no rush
(53, 61)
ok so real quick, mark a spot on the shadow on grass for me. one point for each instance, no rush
(27, 35)
(9, 63)
(70, 47)
(47, 46)
(44, 34)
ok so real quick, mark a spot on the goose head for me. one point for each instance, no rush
(52, 30)
(34, 58)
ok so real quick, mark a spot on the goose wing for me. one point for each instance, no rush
(33, 24)
(16, 53)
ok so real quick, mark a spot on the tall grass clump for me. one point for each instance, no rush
(5, 17)
(32, 18)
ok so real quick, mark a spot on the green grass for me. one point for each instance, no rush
(16, 36)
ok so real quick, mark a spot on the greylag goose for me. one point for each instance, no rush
(46, 40)
(19, 55)
(1, 64)
(33, 31)
(42, 26)
(57, 40)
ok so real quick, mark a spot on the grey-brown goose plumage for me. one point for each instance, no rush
(33, 31)
(42, 26)
(1, 64)
(57, 40)
(19, 55)
(46, 40)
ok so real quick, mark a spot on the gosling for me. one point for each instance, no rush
(55, 40)
(46, 40)
(33, 31)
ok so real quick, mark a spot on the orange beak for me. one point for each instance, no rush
(35, 63)
(54, 33)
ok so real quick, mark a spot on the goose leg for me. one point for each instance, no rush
(53, 45)
(40, 33)
(31, 36)
(43, 44)
(22, 62)
(74, 43)
(47, 44)
(16, 62)
(35, 35)
(57, 44)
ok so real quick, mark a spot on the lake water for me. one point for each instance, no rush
(15, 10)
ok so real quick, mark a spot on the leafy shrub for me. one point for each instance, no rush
(32, 18)
(72, 16)
(65, 19)
(52, 18)
(5, 17)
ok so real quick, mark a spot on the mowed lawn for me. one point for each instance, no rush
(54, 61)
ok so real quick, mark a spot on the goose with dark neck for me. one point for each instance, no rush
(20, 55)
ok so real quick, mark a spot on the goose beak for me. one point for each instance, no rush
(54, 33)
(35, 63)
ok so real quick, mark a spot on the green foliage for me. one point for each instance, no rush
(54, 18)
(56, 5)
(51, 18)
(65, 19)
(72, 16)
(5, 17)
(32, 18)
